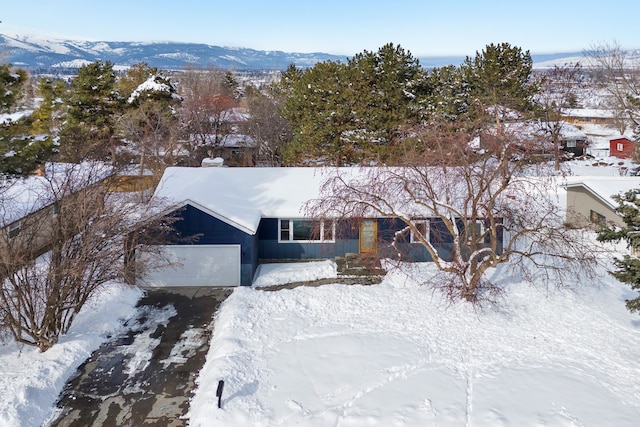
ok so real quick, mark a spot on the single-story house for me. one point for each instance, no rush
(589, 199)
(572, 140)
(622, 148)
(536, 137)
(242, 217)
(34, 202)
(589, 116)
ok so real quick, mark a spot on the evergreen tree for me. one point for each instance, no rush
(20, 152)
(628, 267)
(149, 125)
(387, 83)
(499, 79)
(137, 74)
(12, 83)
(319, 109)
(445, 96)
(93, 105)
(350, 113)
(46, 115)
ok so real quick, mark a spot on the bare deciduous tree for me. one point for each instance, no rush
(619, 77)
(559, 91)
(70, 242)
(208, 98)
(481, 210)
(268, 129)
(151, 130)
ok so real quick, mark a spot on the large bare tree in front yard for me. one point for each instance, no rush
(481, 210)
(69, 242)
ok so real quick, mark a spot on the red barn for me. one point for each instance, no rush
(621, 148)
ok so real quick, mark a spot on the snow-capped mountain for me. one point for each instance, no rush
(40, 52)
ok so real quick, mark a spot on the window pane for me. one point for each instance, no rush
(475, 230)
(422, 228)
(302, 230)
(327, 230)
(284, 230)
(14, 230)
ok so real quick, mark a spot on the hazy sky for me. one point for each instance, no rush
(344, 27)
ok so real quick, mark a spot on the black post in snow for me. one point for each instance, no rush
(219, 392)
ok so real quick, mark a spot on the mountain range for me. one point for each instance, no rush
(43, 54)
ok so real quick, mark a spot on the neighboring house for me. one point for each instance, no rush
(582, 116)
(622, 148)
(539, 135)
(237, 150)
(589, 199)
(572, 140)
(245, 216)
(37, 199)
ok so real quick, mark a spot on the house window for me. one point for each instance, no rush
(14, 229)
(296, 230)
(476, 231)
(422, 227)
(597, 218)
(571, 144)
(620, 147)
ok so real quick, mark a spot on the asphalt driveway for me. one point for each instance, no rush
(146, 375)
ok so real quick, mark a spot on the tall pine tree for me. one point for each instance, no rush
(20, 151)
(351, 113)
(498, 79)
(93, 105)
(628, 267)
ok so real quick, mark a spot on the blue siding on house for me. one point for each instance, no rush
(439, 237)
(270, 248)
(211, 230)
(387, 229)
(264, 245)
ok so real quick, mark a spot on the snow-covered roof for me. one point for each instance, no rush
(242, 196)
(531, 128)
(589, 112)
(605, 187)
(23, 196)
(14, 117)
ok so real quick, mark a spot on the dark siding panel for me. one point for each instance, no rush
(387, 229)
(271, 249)
(268, 229)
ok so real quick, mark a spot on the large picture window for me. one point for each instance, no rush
(306, 230)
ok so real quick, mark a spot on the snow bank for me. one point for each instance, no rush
(398, 354)
(279, 273)
(30, 381)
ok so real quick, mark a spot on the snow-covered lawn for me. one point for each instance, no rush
(394, 354)
(30, 381)
(397, 354)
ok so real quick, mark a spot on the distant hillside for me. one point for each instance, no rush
(44, 54)
(39, 53)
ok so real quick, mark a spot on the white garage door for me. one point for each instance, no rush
(200, 265)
